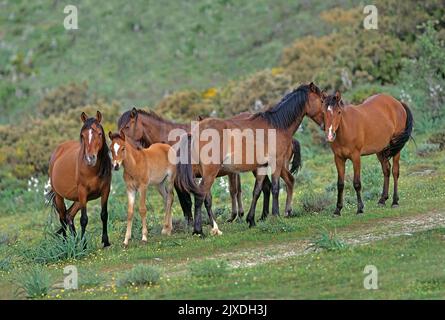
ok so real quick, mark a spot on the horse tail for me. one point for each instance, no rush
(50, 199)
(185, 180)
(398, 142)
(296, 156)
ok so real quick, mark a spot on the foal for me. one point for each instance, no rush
(380, 125)
(142, 168)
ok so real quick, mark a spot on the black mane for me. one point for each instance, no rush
(292, 106)
(103, 155)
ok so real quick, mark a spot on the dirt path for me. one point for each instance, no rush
(361, 235)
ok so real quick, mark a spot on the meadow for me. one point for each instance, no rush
(223, 58)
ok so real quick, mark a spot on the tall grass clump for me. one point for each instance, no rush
(328, 241)
(54, 248)
(315, 202)
(140, 274)
(34, 283)
(209, 268)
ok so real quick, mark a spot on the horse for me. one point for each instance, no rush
(146, 128)
(80, 171)
(283, 119)
(142, 168)
(381, 125)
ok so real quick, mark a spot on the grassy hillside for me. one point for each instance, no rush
(138, 51)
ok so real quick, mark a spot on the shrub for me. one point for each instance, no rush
(63, 98)
(439, 139)
(5, 264)
(34, 282)
(315, 202)
(426, 149)
(209, 268)
(140, 274)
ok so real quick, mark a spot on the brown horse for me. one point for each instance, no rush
(283, 119)
(380, 125)
(147, 127)
(143, 168)
(80, 171)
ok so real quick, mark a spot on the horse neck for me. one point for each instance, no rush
(157, 130)
(132, 158)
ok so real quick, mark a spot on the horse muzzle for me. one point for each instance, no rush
(116, 166)
(331, 137)
(91, 160)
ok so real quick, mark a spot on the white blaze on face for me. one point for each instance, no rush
(90, 135)
(330, 109)
(330, 134)
(116, 148)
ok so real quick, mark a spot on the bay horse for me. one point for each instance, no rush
(146, 128)
(381, 125)
(143, 168)
(80, 171)
(284, 119)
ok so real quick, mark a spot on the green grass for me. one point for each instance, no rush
(136, 52)
(140, 274)
(209, 268)
(421, 187)
(34, 282)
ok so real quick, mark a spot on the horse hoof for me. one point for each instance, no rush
(241, 214)
(144, 242)
(251, 223)
(216, 232)
(381, 204)
(360, 212)
(198, 233)
(230, 220)
(395, 205)
(337, 213)
(166, 232)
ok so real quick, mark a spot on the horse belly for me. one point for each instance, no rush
(63, 176)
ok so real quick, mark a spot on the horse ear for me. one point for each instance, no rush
(83, 117)
(338, 95)
(313, 87)
(110, 134)
(324, 95)
(98, 116)
(133, 113)
(122, 135)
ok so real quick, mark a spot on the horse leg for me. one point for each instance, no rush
(143, 212)
(357, 182)
(233, 186)
(168, 223)
(186, 204)
(239, 196)
(208, 177)
(131, 194)
(61, 210)
(386, 168)
(267, 186)
(212, 219)
(395, 175)
(340, 164)
(276, 192)
(255, 195)
(289, 180)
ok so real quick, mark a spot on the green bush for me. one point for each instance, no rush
(140, 274)
(209, 268)
(64, 98)
(315, 202)
(276, 225)
(34, 282)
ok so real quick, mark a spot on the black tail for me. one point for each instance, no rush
(185, 179)
(398, 142)
(296, 157)
(50, 199)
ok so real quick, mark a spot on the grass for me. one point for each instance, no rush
(140, 274)
(209, 268)
(328, 241)
(34, 283)
(216, 41)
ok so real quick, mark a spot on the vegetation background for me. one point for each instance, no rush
(219, 58)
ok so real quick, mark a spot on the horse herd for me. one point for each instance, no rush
(80, 171)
